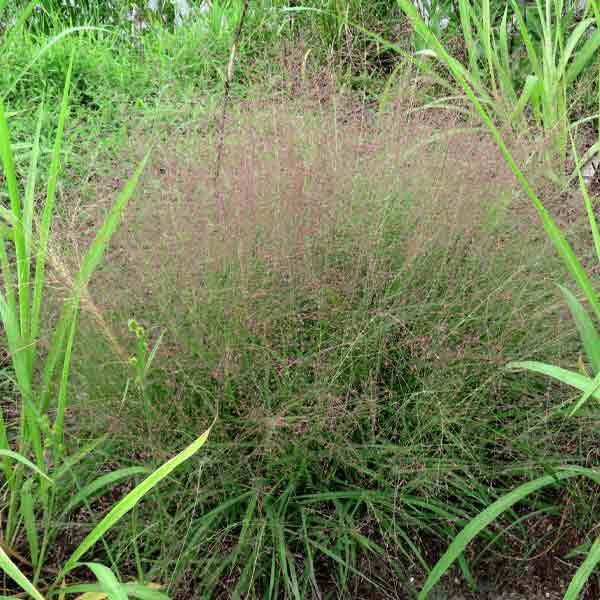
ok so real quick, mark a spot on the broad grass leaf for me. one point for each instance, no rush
(483, 520)
(587, 331)
(108, 580)
(584, 572)
(576, 380)
(131, 499)
(9, 567)
(19, 458)
(583, 57)
(28, 514)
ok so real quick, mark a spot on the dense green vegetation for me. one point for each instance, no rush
(353, 353)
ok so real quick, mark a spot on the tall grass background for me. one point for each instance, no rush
(348, 316)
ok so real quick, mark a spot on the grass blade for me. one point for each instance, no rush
(38, 285)
(481, 521)
(582, 57)
(152, 354)
(27, 510)
(144, 592)
(91, 591)
(25, 14)
(74, 459)
(28, 209)
(584, 572)
(107, 580)
(100, 483)
(587, 201)
(576, 380)
(531, 53)
(55, 40)
(464, 8)
(61, 404)
(131, 499)
(530, 88)
(10, 174)
(589, 50)
(90, 262)
(592, 387)
(17, 457)
(9, 567)
(587, 332)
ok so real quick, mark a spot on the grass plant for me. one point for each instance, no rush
(349, 314)
(43, 398)
(584, 323)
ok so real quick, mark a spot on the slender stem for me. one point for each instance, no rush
(226, 95)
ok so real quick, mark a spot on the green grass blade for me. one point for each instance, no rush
(28, 209)
(19, 357)
(587, 52)
(587, 201)
(531, 87)
(28, 513)
(152, 354)
(4, 464)
(247, 524)
(8, 311)
(28, 205)
(464, 11)
(501, 58)
(487, 41)
(309, 557)
(571, 378)
(584, 572)
(591, 389)
(466, 571)
(9, 567)
(61, 404)
(572, 42)
(131, 499)
(96, 252)
(10, 174)
(246, 578)
(74, 459)
(55, 40)
(143, 592)
(481, 521)
(24, 461)
(25, 14)
(587, 331)
(531, 53)
(46, 220)
(134, 590)
(18, 236)
(596, 9)
(108, 581)
(554, 232)
(101, 483)
(90, 262)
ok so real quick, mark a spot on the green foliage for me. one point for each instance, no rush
(363, 418)
(523, 62)
(554, 82)
(31, 501)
